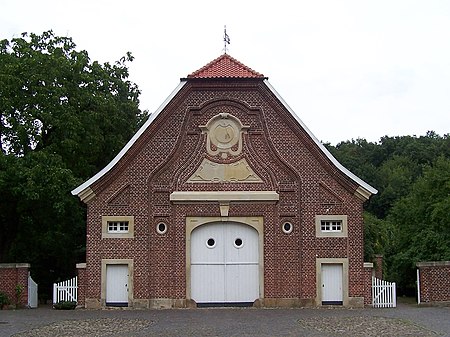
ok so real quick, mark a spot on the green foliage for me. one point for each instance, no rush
(378, 234)
(65, 305)
(409, 219)
(4, 300)
(422, 221)
(391, 165)
(54, 98)
(18, 293)
(63, 119)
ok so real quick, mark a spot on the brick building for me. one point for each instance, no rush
(224, 197)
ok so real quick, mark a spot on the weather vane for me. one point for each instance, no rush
(226, 38)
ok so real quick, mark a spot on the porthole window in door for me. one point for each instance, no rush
(161, 228)
(238, 243)
(210, 243)
(287, 227)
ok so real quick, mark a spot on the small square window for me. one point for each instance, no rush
(117, 226)
(331, 226)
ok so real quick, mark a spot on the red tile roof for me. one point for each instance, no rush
(225, 66)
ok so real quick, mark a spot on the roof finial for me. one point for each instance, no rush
(226, 38)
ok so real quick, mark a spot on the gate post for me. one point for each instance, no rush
(13, 275)
(368, 271)
(81, 271)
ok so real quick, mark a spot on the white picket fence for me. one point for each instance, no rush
(66, 290)
(383, 294)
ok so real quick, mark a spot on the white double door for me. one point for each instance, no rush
(224, 263)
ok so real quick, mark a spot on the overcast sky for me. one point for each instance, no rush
(349, 69)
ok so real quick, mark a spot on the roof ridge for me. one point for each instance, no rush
(225, 66)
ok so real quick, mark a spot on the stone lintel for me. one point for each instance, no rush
(14, 265)
(223, 196)
(433, 264)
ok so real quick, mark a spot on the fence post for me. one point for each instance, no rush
(418, 286)
(54, 293)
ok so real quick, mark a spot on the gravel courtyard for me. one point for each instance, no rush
(405, 320)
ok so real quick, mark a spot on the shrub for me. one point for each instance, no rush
(65, 305)
(19, 291)
(4, 300)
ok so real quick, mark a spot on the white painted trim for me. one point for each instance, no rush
(107, 168)
(349, 174)
(365, 189)
(195, 196)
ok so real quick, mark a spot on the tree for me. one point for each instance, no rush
(378, 236)
(54, 98)
(45, 225)
(422, 224)
(408, 220)
(63, 119)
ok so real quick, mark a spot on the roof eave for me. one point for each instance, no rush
(84, 189)
(365, 190)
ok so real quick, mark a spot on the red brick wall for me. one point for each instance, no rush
(368, 272)
(11, 276)
(276, 148)
(378, 262)
(434, 280)
(81, 273)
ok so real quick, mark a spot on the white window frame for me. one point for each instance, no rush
(107, 233)
(332, 226)
(343, 232)
(118, 226)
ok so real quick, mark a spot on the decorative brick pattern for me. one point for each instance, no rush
(11, 276)
(278, 150)
(82, 282)
(368, 272)
(378, 262)
(434, 282)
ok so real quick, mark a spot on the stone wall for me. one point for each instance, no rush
(13, 275)
(434, 283)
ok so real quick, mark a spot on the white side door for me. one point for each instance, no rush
(117, 284)
(332, 284)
